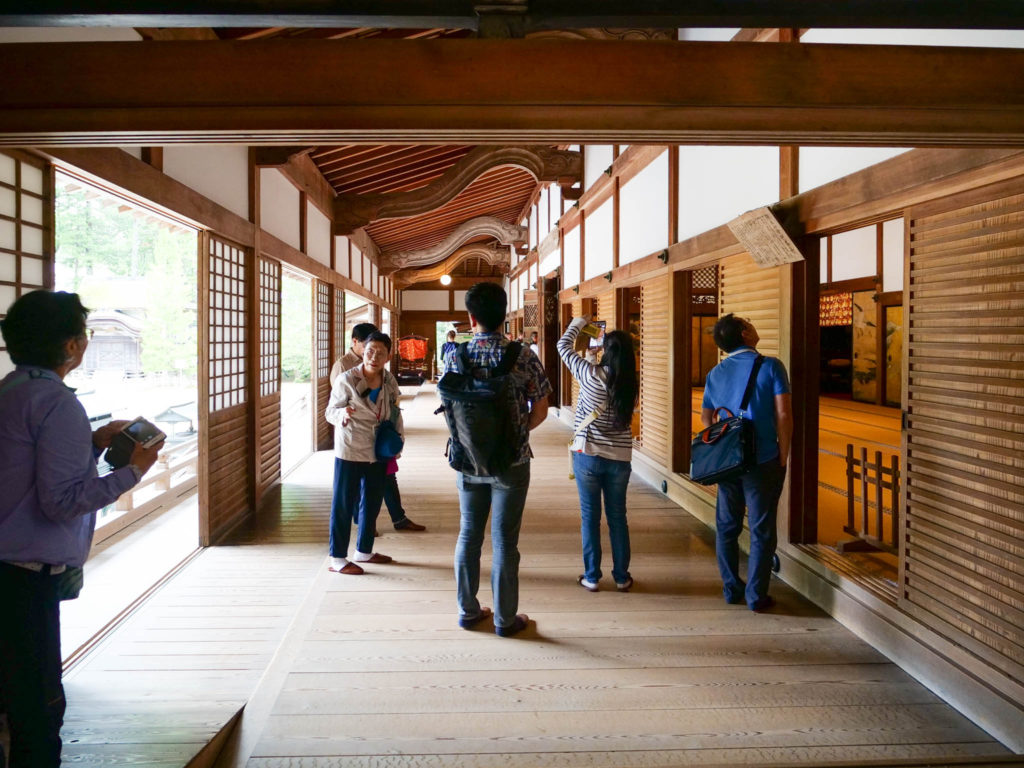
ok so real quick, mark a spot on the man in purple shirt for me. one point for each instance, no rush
(51, 491)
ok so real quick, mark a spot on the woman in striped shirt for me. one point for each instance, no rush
(602, 448)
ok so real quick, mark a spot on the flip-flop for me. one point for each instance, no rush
(468, 622)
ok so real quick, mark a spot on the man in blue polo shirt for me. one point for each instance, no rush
(759, 489)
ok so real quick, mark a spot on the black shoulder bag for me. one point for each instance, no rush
(727, 448)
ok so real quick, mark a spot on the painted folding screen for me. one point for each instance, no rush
(963, 528)
(26, 231)
(269, 430)
(224, 470)
(324, 360)
(655, 355)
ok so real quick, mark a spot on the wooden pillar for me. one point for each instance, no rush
(804, 366)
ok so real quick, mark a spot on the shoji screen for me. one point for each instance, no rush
(324, 360)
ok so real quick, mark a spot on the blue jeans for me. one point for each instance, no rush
(358, 492)
(505, 495)
(758, 490)
(596, 475)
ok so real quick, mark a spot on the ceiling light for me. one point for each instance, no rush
(446, 279)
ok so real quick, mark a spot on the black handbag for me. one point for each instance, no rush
(727, 448)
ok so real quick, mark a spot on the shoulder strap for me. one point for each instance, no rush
(508, 358)
(750, 382)
(465, 365)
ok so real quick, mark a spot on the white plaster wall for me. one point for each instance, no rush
(544, 213)
(514, 295)
(460, 301)
(367, 281)
(373, 279)
(357, 264)
(892, 255)
(556, 205)
(532, 276)
(598, 234)
(854, 253)
(643, 212)
(550, 262)
(6, 366)
(571, 249)
(341, 254)
(135, 152)
(717, 184)
(279, 206)
(820, 165)
(219, 172)
(966, 38)
(318, 235)
(596, 159)
(425, 300)
(533, 223)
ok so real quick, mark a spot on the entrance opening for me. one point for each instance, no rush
(297, 393)
(860, 324)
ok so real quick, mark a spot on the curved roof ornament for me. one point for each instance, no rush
(492, 253)
(489, 226)
(543, 163)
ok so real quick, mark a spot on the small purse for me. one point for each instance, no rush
(727, 448)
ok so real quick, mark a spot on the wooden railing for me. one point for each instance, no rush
(171, 480)
(873, 480)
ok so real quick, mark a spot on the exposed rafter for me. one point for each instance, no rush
(544, 163)
(490, 253)
(483, 226)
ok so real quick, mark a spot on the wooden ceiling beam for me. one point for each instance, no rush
(492, 253)
(486, 91)
(535, 15)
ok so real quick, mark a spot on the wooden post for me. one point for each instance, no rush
(680, 376)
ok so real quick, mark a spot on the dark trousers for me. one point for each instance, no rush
(358, 492)
(392, 500)
(30, 666)
(758, 491)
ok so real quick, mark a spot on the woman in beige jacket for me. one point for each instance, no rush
(361, 399)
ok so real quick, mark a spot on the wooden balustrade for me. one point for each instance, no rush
(872, 479)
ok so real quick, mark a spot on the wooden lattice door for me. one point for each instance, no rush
(324, 360)
(655, 388)
(26, 231)
(224, 398)
(269, 412)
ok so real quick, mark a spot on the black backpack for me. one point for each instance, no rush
(479, 405)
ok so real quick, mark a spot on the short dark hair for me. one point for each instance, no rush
(362, 331)
(451, 334)
(379, 336)
(487, 302)
(728, 332)
(39, 324)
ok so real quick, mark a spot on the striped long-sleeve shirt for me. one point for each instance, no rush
(600, 437)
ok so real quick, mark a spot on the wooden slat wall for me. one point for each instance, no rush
(574, 386)
(324, 307)
(26, 229)
(963, 528)
(606, 309)
(655, 389)
(225, 474)
(754, 292)
(269, 434)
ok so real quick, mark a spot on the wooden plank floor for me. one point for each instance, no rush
(374, 671)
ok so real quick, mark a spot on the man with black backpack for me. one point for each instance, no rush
(493, 392)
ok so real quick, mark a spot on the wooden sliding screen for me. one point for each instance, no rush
(26, 231)
(269, 430)
(324, 360)
(224, 398)
(754, 292)
(962, 553)
(655, 387)
(606, 309)
(574, 386)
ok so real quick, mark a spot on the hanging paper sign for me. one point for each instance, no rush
(760, 233)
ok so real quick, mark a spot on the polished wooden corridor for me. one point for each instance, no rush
(373, 670)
